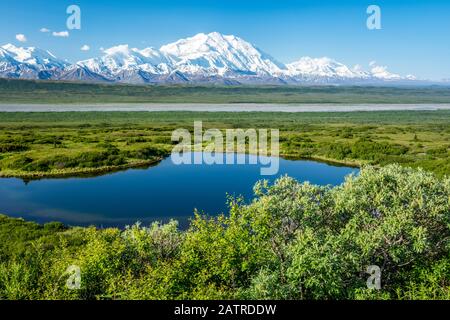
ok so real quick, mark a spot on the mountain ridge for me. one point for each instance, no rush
(203, 58)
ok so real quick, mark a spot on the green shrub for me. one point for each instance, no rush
(13, 147)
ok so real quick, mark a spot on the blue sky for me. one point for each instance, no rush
(415, 35)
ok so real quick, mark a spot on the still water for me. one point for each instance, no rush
(162, 192)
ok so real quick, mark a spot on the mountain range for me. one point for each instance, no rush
(203, 58)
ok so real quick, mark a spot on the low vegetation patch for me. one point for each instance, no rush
(33, 92)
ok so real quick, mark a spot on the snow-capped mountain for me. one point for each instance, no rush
(122, 63)
(328, 70)
(324, 68)
(215, 54)
(203, 58)
(28, 63)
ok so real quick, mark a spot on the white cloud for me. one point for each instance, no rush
(372, 63)
(85, 48)
(44, 30)
(21, 37)
(61, 34)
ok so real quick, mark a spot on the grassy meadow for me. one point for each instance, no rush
(36, 145)
(34, 92)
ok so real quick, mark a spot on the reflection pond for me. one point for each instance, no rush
(158, 193)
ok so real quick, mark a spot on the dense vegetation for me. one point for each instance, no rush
(54, 144)
(293, 241)
(26, 91)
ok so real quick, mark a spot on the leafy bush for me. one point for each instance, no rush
(146, 153)
(365, 149)
(13, 147)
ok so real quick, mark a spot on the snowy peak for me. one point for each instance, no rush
(332, 69)
(203, 58)
(322, 67)
(28, 63)
(215, 53)
(32, 57)
(121, 59)
(115, 59)
(381, 72)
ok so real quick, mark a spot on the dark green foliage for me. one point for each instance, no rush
(365, 149)
(147, 153)
(17, 235)
(438, 151)
(12, 147)
(20, 162)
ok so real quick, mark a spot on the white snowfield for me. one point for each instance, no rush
(244, 107)
(203, 58)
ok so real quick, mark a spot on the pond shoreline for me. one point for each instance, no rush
(160, 193)
(144, 164)
(79, 172)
